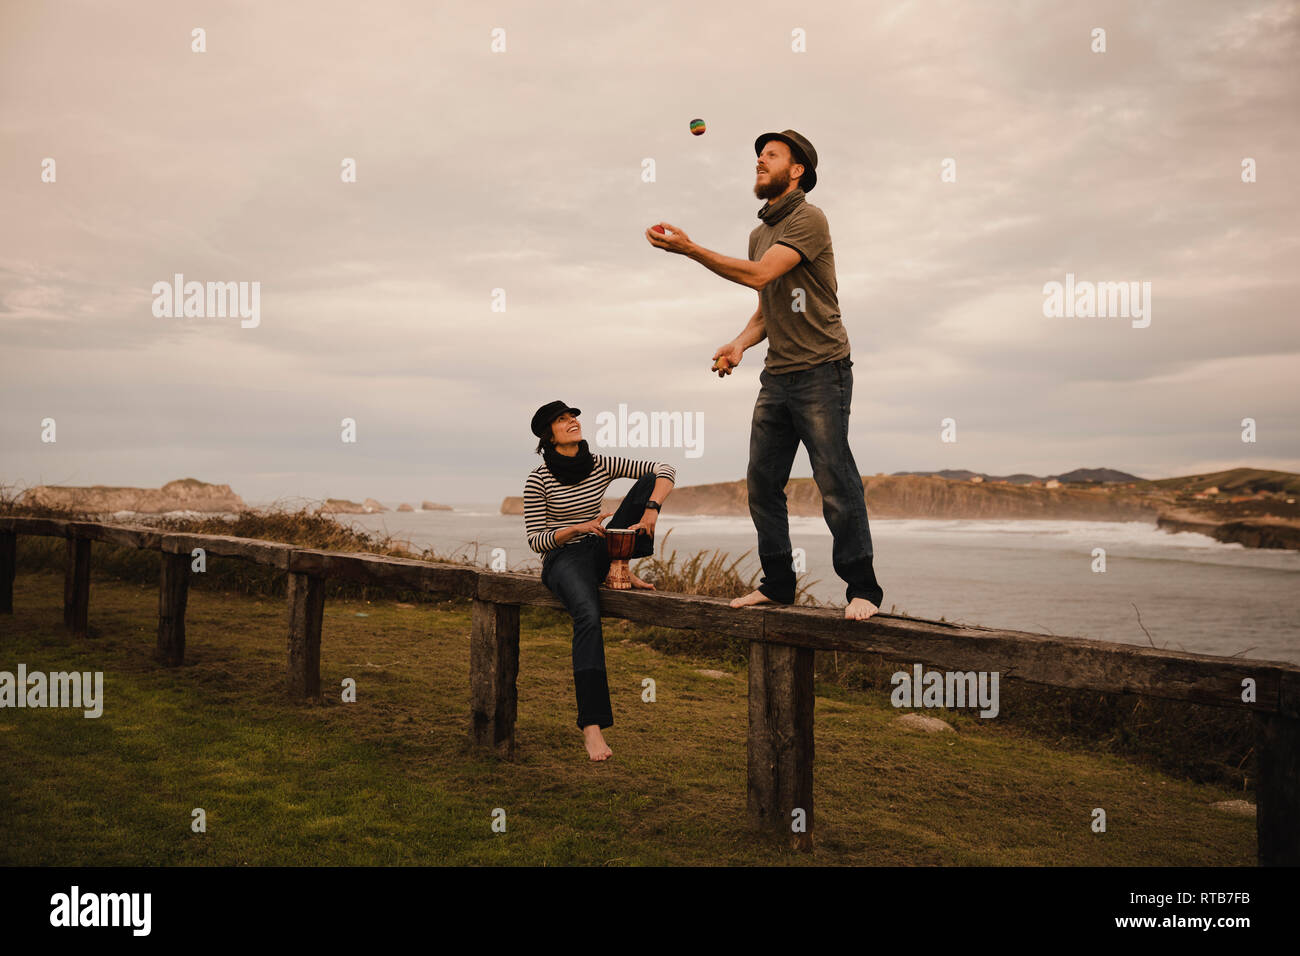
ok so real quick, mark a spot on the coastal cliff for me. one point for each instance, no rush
(917, 496)
(184, 494)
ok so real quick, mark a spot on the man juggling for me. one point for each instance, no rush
(807, 379)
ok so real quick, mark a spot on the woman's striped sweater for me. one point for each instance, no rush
(550, 506)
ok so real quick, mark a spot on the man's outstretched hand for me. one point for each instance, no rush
(673, 240)
(726, 358)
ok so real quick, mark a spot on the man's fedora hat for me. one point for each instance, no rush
(548, 413)
(803, 153)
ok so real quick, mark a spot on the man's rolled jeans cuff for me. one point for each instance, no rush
(777, 595)
(778, 582)
(874, 597)
(592, 688)
(863, 575)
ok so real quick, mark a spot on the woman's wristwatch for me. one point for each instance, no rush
(652, 506)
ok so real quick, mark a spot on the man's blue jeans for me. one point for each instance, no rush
(573, 573)
(811, 406)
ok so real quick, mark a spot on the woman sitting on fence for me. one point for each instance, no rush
(562, 499)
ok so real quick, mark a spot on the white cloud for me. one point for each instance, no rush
(521, 171)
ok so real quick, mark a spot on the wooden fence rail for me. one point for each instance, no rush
(782, 644)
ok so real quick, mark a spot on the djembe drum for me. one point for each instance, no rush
(620, 543)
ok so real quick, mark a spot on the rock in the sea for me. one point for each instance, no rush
(929, 725)
(184, 494)
(341, 506)
(1262, 532)
(1238, 808)
(372, 506)
(404, 507)
(430, 506)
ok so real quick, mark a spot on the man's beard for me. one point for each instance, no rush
(775, 185)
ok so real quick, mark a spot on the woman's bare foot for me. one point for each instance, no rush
(859, 609)
(638, 583)
(753, 597)
(597, 749)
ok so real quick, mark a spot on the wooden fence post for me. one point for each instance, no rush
(173, 595)
(8, 567)
(76, 586)
(780, 750)
(1277, 789)
(306, 594)
(493, 669)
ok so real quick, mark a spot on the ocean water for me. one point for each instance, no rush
(1192, 593)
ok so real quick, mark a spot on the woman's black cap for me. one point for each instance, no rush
(544, 416)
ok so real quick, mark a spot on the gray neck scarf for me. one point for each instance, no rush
(772, 213)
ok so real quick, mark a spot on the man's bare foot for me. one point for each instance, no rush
(638, 583)
(859, 609)
(753, 597)
(597, 749)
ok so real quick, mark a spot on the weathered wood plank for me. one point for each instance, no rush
(306, 598)
(493, 669)
(1277, 789)
(46, 527)
(683, 611)
(272, 553)
(503, 587)
(126, 536)
(1061, 662)
(662, 608)
(8, 568)
(173, 595)
(76, 586)
(381, 570)
(780, 743)
(1037, 658)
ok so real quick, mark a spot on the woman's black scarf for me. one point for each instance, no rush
(569, 470)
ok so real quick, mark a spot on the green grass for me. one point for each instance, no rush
(390, 780)
(1191, 741)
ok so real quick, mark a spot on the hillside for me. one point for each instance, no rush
(918, 496)
(1237, 481)
(184, 494)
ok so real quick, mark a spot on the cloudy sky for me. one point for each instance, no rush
(521, 171)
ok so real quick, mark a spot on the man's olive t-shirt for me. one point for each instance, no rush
(799, 340)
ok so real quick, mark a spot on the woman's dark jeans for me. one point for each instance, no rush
(811, 406)
(573, 573)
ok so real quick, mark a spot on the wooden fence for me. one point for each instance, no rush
(782, 644)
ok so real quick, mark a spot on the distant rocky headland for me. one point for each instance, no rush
(1253, 507)
(184, 494)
